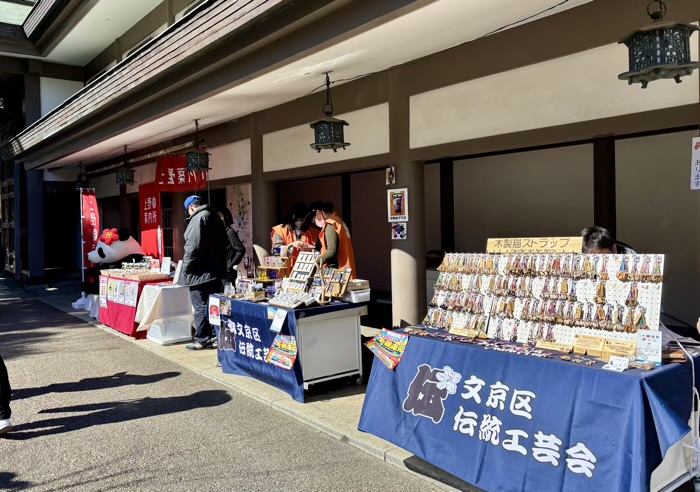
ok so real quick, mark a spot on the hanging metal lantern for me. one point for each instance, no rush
(125, 177)
(329, 131)
(198, 158)
(660, 50)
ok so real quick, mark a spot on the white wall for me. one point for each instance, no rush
(230, 160)
(54, 91)
(658, 213)
(368, 134)
(579, 87)
(541, 193)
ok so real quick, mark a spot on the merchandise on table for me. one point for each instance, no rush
(548, 297)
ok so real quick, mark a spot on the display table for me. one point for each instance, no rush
(165, 311)
(508, 422)
(328, 344)
(119, 312)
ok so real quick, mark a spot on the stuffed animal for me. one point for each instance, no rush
(115, 247)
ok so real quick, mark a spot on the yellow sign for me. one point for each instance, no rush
(588, 345)
(535, 245)
(559, 347)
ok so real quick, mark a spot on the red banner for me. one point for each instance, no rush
(172, 175)
(91, 224)
(151, 219)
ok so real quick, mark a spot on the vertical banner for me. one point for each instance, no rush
(239, 202)
(151, 219)
(695, 165)
(91, 224)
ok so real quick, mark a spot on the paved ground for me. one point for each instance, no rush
(94, 412)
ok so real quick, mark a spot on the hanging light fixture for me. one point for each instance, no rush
(198, 158)
(81, 181)
(660, 50)
(125, 176)
(328, 132)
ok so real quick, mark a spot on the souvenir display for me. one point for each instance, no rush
(530, 298)
(302, 273)
(292, 300)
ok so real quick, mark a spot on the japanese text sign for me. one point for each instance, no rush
(475, 413)
(172, 175)
(535, 245)
(91, 223)
(695, 165)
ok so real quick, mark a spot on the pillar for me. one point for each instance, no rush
(17, 220)
(35, 223)
(264, 192)
(408, 281)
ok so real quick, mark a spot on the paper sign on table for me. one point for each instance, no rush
(649, 346)
(389, 347)
(132, 291)
(165, 266)
(121, 287)
(155, 265)
(214, 311)
(110, 289)
(278, 321)
(283, 352)
(178, 270)
(617, 364)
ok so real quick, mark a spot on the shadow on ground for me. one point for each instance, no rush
(8, 481)
(115, 412)
(91, 384)
(23, 323)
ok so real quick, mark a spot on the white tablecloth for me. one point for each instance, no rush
(92, 306)
(160, 302)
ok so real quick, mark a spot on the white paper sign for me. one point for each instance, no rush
(695, 165)
(649, 346)
(214, 311)
(132, 291)
(165, 266)
(278, 322)
(178, 269)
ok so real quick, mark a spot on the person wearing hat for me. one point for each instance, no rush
(336, 243)
(295, 234)
(203, 265)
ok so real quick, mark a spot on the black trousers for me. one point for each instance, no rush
(5, 391)
(203, 331)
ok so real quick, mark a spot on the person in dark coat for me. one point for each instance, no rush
(5, 391)
(203, 266)
(235, 251)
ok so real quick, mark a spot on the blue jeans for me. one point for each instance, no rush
(5, 391)
(203, 331)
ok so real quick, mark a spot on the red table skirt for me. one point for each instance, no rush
(121, 317)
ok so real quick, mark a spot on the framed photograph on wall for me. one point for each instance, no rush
(397, 204)
(398, 231)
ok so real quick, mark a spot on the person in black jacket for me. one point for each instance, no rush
(5, 391)
(203, 265)
(235, 251)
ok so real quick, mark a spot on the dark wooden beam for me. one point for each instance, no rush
(447, 205)
(604, 206)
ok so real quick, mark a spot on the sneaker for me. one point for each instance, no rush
(5, 426)
(218, 364)
(214, 342)
(197, 346)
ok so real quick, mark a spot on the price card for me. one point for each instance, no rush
(649, 346)
(278, 321)
(165, 267)
(617, 364)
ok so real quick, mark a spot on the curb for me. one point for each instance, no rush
(335, 428)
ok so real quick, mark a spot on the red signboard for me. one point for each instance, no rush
(91, 224)
(151, 219)
(172, 175)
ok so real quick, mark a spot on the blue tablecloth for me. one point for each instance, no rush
(249, 338)
(507, 422)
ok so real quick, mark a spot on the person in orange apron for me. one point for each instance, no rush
(336, 243)
(295, 234)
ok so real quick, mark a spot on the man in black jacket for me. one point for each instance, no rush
(235, 251)
(203, 266)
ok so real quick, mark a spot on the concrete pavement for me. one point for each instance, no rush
(96, 412)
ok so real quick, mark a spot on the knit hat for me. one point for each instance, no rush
(192, 200)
